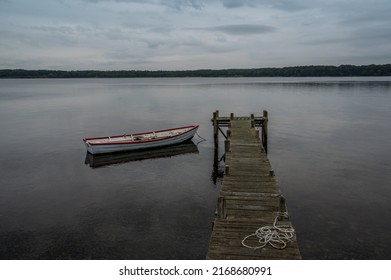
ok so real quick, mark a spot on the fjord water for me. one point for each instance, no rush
(329, 146)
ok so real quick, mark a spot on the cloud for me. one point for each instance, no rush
(172, 4)
(118, 1)
(236, 4)
(286, 5)
(187, 34)
(243, 29)
(180, 5)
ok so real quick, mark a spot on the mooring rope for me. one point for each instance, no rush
(277, 236)
(200, 136)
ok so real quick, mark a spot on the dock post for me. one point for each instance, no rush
(282, 204)
(226, 170)
(264, 130)
(215, 126)
(227, 145)
(216, 146)
(221, 208)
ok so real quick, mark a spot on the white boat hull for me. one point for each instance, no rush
(139, 141)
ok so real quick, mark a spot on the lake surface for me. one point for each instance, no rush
(329, 145)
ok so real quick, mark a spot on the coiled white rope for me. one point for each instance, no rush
(277, 236)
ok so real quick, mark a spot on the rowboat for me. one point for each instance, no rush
(104, 160)
(139, 141)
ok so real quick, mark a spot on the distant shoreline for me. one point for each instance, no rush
(293, 71)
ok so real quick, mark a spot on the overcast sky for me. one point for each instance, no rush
(192, 34)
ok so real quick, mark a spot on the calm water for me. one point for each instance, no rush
(329, 146)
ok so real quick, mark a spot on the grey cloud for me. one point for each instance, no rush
(362, 16)
(323, 41)
(166, 33)
(285, 5)
(362, 25)
(63, 29)
(126, 1)
(180, 5)
(371, 36)
(237, 4)
(161, 29)
(172, 4)
(123, 54)
(243, 29)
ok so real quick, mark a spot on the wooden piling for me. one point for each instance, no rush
(226, 170)
(215, 126)
(265, 129)
(227, 144)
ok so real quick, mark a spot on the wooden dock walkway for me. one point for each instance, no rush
(250, 197)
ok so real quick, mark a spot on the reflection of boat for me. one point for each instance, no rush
(129, 142)
(95, 161)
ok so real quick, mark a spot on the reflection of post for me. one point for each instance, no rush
(264, 129)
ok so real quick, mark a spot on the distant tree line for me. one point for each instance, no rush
(295, 71)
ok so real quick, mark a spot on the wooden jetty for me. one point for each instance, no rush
(250, 197)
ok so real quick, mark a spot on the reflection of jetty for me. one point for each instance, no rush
(95, 161)
(250, 198)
